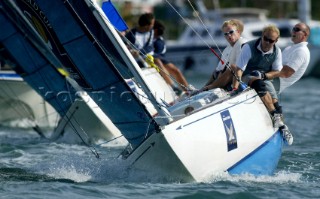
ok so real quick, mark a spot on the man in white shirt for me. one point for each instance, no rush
(295, 58)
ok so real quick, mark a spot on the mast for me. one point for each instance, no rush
(304, 9)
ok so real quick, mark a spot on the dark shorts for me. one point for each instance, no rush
(272, 86)
(271, 89)
(216, 73)
(164, 61)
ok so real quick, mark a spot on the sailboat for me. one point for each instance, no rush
(211, 132)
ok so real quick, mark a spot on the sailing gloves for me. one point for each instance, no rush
(259, 74)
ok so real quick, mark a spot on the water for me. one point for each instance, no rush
(34, 168)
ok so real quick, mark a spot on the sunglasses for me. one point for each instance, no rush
(228, 33)
(266, 39)
(296, 29)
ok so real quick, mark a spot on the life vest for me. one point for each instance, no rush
(148, 46)
(258, 61)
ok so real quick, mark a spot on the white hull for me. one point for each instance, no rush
(19, 101)
(86, 123)
(196, 147)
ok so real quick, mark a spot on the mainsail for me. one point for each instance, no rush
(84, 47)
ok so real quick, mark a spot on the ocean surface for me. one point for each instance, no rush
(31, 167)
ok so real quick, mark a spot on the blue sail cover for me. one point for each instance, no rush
(18, 48)
(77, 38)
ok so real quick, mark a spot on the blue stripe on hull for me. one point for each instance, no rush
(262, 161)
(4, 76)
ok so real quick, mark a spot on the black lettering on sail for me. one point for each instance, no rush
(40, 22)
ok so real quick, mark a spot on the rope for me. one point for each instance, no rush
(188, 24)
(150, 60)
(109, 140)
(197, 13)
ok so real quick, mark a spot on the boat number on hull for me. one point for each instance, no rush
(229, 130)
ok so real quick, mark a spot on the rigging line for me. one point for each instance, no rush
(206, 28)
(68, 119)
(109, 140)
(234, 73)
(147, 131)
(206, 43)
(214, 52)
(91, 147)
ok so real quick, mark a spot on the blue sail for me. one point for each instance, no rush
(113, 15)
(82, 45)
(18, 45)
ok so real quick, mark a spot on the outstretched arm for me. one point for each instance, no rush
(272, 74)
(238, 73)
(286, 72)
